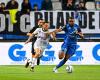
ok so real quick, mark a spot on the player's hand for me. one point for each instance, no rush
(26, 42)
(80, 34)
(76, 32)
(29, 34)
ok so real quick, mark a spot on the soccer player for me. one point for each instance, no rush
(68, 47)
(40, 23)
(42, 41)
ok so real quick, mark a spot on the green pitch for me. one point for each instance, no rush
(45, 73)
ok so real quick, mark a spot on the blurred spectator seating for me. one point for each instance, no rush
(80, 6)
(97, 3)
(38, 2)
(90, 5)
(2, 7)
(35, 7)
(12, 7)
(56, 5)
(68, 4)
(25, 7)
(55, 0)
(46, 5)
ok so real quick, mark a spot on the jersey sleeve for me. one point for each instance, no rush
(33, 29)
(78, 28)
(36, 31)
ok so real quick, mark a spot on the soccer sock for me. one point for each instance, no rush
(61, 63)
(33, 62)
(38, 61)
(28, 60)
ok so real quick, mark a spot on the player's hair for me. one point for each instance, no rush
(39, 19)
(46, 21)
(71, 17)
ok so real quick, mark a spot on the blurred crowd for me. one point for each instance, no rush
(26, 6)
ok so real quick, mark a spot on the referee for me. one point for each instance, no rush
(40, 23)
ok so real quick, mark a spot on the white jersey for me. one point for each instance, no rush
(42, 39)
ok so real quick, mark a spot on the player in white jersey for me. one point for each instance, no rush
(43, 37)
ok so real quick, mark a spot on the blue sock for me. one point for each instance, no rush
(61, 63)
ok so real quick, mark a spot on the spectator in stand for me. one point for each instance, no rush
(12, 7)
(2, 7)
(81, 6)
(25, 7)
(89, 0)
(35, 7)
(46, 5)
(68, 5)
(97, 5)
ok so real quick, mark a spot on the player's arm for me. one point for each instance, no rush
(79, 32)
(53, 36)
(29, 34)
(32, 35)
(29, 39)
(58, 30)
(53, 33)
(31, 31)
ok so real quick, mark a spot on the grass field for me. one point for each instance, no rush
(45, 73)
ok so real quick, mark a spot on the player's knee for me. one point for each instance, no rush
(61, 55)
(67, 56)
(37, 55)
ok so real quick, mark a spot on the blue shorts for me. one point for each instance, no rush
(68, 48)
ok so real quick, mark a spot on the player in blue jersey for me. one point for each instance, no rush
(68, 48)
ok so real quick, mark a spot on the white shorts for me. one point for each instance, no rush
(41, 45)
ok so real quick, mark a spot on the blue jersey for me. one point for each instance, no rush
(70, 33)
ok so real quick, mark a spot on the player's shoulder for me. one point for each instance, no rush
(35, 27)
(67, 25)
(39, 29)
(76, 24)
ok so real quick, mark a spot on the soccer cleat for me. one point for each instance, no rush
(55, 70)
(32, 69)
(27, 63)
(69, 69)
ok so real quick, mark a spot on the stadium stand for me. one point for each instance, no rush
(57, 5)
(90, 5)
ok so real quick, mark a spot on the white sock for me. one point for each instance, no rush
(29, 61)
(33, 62)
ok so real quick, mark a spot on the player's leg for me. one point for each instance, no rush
(33, 53)
(38, 52)
(62, 62)
(70, 52)
(61, 56)
(62, 52)
(38, 60)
